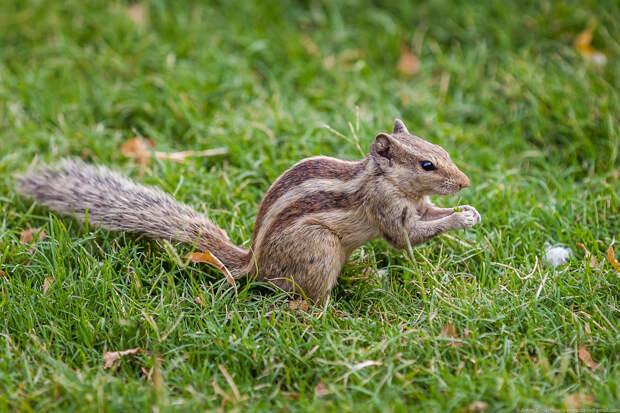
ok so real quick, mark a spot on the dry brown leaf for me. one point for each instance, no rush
(576, 401)
(592, 259)
(408, 63)
(47, 283)
(611, 257)
(583, 45)
(140, 149)
(478, 406)
(449, 331)
(320, 389)
(586, 357)
(111, 356)
(27, 235)
(212, 260)
(137, 13)
(137, 147)
(300, 305)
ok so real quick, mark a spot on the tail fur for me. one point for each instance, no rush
(113, 202)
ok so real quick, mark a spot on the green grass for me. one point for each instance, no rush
(500, 86)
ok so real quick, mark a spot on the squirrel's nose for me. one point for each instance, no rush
(464, 182)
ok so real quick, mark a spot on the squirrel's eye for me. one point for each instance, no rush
(427, 166)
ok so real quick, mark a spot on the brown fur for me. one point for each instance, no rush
(317, 168)
(309, 222)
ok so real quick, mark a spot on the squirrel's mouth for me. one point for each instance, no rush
(446, 189)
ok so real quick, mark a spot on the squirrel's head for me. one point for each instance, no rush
(416, 167)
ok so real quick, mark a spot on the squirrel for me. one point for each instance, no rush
(309, 222)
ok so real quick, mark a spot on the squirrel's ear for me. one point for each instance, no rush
(399, 127)
(381, 148)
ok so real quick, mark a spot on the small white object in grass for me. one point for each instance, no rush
(556, 256)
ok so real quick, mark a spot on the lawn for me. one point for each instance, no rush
(473, 321)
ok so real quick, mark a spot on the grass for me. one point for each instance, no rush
(499, 85)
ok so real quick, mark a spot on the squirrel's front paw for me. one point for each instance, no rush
(467, 217)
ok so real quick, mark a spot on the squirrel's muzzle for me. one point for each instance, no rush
(464, 181)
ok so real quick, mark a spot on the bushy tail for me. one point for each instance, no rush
(73, 187)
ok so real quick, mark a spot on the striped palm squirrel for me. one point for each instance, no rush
(311, 219)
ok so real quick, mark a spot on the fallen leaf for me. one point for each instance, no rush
(212, 260)
(576, 401)
(583, 45)
(611, 257)
(140, 149)
(47, 283)
(320, 389)
(478, 406)
(111, 356)
(408, 63)
(299, 305)
(27, 235)
(137, 13)
(449, 331)
(137, 147)
(586, 357)
(592, 259)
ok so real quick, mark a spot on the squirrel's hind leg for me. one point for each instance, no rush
(305, 262)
